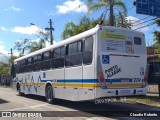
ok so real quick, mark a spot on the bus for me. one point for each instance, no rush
(104, 61)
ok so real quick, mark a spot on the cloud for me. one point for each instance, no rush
(4, 29)
(13, 8)
(2, 49)
(136, 23)
(50, 13)
(72, 6)
(27, 30)
(47, 41)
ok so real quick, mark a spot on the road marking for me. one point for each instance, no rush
(28, 107)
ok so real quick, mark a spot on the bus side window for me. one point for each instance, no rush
(37, 62)
(46, 61)
(88, 50)
(22, 65)
(74, 54)
(58, 57)
(29, 63)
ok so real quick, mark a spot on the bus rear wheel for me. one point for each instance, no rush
(49, 94)
(19, 90)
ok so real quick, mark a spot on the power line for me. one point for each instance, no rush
(146, 21)
(145, 26)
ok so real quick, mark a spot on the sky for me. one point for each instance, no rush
(16, 17)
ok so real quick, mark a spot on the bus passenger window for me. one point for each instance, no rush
(37, 62)
(62, 51)
(88, 48)
(74, 56)
(46, 63)
(58, 57)
(46, 55)
(72, 48)
(29, 67)
(137, 41)
(57, 53)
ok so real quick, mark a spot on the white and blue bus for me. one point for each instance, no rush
(102, 62)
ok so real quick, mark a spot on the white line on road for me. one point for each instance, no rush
(28, 107)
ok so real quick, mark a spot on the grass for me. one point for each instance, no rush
(145, 99)
(4, 86)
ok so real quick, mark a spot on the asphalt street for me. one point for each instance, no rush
(10, 101)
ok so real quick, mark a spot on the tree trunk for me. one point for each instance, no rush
(111, 17)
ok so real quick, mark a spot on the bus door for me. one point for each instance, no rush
(88, 63)
(73, 68)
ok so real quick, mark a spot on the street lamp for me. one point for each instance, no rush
(49, 30)
(40, 31)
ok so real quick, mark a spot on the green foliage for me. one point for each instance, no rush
(28, 46)
(72, 29)
(4, 69)
(123, 22)
(22, 45)
(157, 33)
(109, 5)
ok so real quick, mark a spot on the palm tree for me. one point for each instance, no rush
(21, 45)
(110, 5)
(36, 45)
(72, 29)
(122, 21)
(68, 30)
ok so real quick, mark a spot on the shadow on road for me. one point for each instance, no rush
(112, 109)
(2, 101)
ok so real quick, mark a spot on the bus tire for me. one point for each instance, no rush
(19, 90)
(49, 94)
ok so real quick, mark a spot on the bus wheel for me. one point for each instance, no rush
(19, 90)
(49, 94)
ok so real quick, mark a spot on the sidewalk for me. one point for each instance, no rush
(152, 94)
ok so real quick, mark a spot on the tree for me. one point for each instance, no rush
(123, 22)
(110, 5)
(31, 46)
(4, 69)
(72, 29)
(157, 33)
(36, 45)
(68, 30)
(22, 45)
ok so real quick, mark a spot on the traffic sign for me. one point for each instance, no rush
(148, 7)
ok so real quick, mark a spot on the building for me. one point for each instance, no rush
(153, 60)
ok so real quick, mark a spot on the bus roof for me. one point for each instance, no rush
(61, 43)
(72, 39)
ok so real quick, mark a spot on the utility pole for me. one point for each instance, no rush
(51, 33)
(11, 52)
(51, 28)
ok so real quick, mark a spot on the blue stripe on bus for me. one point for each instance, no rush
(88, 80)
(118, 80)
(79, 80)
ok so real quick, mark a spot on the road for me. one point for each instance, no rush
(61, 109)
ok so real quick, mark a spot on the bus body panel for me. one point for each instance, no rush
(117, 68)
(121, 63)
